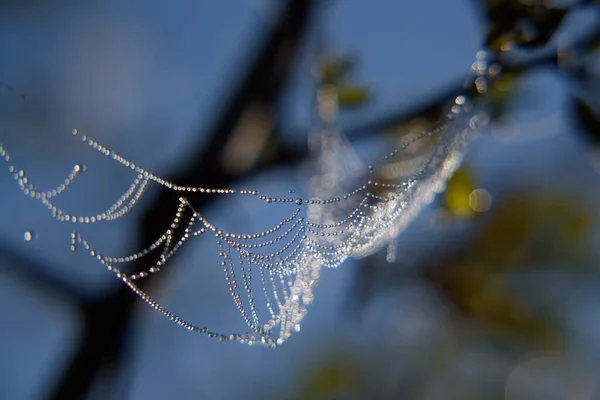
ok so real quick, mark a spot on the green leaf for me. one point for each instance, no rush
(352, 96)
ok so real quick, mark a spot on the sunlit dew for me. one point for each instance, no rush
(392, 252)
(271, 273)
(30, 236)
(480, 200)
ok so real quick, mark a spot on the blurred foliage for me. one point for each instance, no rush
(462, 197)
(522, 232)
(332, 68)
(525, 24)
(350, 95)
(336, 375)
(338, 71)
(501, 92)
(458, 191)
(334, 379)
(518, 234)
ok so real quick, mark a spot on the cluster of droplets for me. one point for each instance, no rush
(271, 274)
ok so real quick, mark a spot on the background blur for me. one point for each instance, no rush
(482, 302)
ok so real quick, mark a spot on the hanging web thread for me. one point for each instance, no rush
(271, 274)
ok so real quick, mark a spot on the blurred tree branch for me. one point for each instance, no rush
(108, 320)
(550, 58)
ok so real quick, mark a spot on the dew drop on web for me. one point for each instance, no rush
(30, 236)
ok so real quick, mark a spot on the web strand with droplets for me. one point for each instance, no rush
(285, 261)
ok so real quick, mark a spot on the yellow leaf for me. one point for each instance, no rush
(458, 192)
(352, 96)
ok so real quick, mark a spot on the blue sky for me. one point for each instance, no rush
(141, 77)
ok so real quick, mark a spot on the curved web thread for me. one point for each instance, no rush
(271, 274)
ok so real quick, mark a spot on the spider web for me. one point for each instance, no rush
(354, 211)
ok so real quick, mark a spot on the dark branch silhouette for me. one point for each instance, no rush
(107, 321)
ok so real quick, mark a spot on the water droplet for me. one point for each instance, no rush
(30, 236)
(480, 200)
